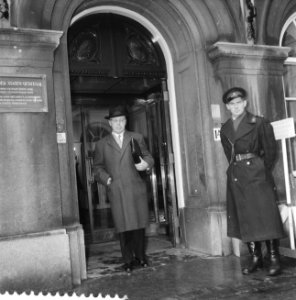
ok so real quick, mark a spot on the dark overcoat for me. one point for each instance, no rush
(127, 192)
(252, 211)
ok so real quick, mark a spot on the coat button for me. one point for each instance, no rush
(235, 179)
(248, 163)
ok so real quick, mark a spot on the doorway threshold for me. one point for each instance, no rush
(104, 259)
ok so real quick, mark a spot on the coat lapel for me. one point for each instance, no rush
(112, 143)
(126, 141)
(246, 125)
(228, 131)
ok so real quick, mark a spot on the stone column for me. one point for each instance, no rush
(34, 245)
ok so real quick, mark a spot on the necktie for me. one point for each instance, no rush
(119, 140)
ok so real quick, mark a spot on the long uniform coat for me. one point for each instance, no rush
(127, 192)
(252, 211)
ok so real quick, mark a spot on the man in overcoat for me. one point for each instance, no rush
(252, 212)
(114, 167)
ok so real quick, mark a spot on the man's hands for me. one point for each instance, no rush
(142, 166)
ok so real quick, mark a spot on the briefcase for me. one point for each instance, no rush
(136, 151)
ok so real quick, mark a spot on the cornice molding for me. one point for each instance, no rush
(235, 50)
(32, 37)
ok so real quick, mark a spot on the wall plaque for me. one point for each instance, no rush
(23, 93)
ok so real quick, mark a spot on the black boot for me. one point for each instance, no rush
(273, 257)
(256, 258)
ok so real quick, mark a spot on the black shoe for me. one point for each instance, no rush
(143, 263)
(256, 260)
(255, 264)
(128, 267)
(274, 267)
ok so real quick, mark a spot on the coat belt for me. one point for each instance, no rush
(239, 157)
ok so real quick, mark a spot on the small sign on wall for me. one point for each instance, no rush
(216, 113)
(61, 138)
(216, 131)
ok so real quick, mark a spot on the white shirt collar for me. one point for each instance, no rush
(120, 135)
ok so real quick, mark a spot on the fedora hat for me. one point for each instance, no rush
(233, 93)
(116, 111)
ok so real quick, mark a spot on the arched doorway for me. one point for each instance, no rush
(115, 60)
(184, 31)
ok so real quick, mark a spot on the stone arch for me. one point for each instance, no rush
(278, 13)
(186, 28)
(199, 22)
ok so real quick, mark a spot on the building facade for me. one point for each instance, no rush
(207, 47)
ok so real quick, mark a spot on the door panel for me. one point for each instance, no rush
(162, 179)
(95, 212)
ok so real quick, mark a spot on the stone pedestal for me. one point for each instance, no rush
(205, 229)
(37, 250)
(38, 262)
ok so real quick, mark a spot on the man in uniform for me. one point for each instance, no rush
(114, 167)
(252, 212)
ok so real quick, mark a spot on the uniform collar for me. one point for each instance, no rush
(247, 124)
(240, 117)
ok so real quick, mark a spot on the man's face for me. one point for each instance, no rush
(236, 106)
(118, 124)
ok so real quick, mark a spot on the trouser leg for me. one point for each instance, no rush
(139, 243)
(273, 257)
(126, 246)
(256, 261)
